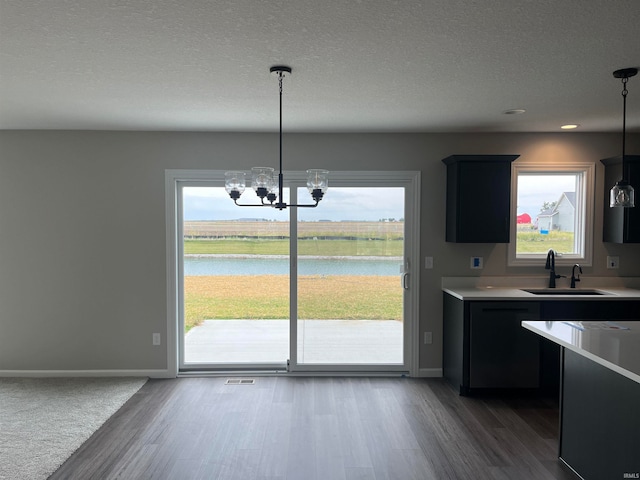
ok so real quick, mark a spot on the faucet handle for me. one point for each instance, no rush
(575, 278)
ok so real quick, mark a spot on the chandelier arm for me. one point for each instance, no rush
(253, 204)
(247, 205)
(307, 205)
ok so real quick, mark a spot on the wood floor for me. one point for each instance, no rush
(321, 428)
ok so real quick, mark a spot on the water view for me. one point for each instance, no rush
(279, 265)
(346, 298)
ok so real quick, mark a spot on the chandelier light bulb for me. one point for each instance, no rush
(262, 180)
(235, 183)
(317, 179)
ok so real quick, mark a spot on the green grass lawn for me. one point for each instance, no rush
(528, 242)
(267, 297)
(534, 242)
(339, 248)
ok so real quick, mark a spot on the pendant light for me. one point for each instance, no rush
(263, 180)
(622, 194)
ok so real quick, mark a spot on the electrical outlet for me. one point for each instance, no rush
(428, 262)
(613, 262)
(156, 339)
(476, 263)
(428, 338)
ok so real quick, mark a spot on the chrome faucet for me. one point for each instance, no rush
(551, 265)
(575, 279)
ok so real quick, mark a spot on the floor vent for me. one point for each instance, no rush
(240, 381)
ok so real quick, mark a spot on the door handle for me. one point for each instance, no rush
(405, 281)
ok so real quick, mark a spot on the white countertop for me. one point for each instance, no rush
(510, 288)
(613, 345)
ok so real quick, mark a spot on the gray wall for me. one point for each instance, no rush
(82, 228)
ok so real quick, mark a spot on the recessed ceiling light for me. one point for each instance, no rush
(514, 111)
(570, 126)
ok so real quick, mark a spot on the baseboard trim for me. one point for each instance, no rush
(87, 373)
(422, 372)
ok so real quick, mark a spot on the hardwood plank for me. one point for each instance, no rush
(320, 428)
(464, 452)
(275, 453)
(301, 448)
(329, 448)
(430, 443)
(355, 451)
(360, 473)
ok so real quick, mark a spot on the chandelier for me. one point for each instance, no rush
(267, 186)
(622, 194)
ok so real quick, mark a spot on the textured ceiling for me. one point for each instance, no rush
(359, 65)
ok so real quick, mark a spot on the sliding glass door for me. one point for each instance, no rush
(350, 295)
(308, 289)
(235, 282)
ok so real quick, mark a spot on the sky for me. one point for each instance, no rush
(534, 190)
(357, 203)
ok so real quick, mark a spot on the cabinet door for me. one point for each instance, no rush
(478, 198)
(599, 419)
(502, 353)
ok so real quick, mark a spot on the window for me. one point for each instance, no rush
(551, 208)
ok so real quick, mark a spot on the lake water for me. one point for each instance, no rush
(223, 265)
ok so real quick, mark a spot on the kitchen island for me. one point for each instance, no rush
(599, 395)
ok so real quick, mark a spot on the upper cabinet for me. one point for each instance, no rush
(478, 198)
(621, 225)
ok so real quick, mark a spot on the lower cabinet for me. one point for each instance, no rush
(502, 354)
(485, 346)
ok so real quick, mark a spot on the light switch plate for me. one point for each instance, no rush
(428, 262)
(476, 263)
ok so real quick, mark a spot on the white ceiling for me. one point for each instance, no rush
(358, 65)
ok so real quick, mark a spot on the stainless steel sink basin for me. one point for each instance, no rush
(561, 291)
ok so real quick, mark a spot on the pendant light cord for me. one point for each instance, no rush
(280, 179)
(624, 117)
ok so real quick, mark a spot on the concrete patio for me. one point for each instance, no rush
(319, 342)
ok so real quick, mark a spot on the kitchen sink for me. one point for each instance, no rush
(562, 291)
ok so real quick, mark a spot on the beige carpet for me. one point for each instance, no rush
(44, 420)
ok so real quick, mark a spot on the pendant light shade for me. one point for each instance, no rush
(622, 193)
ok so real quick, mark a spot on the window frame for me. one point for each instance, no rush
(410, 180)
(584, 205)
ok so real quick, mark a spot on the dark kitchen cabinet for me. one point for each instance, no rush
(621, 225)
(598, 419)
(478, 198)
(485, 346)
(610, 310)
